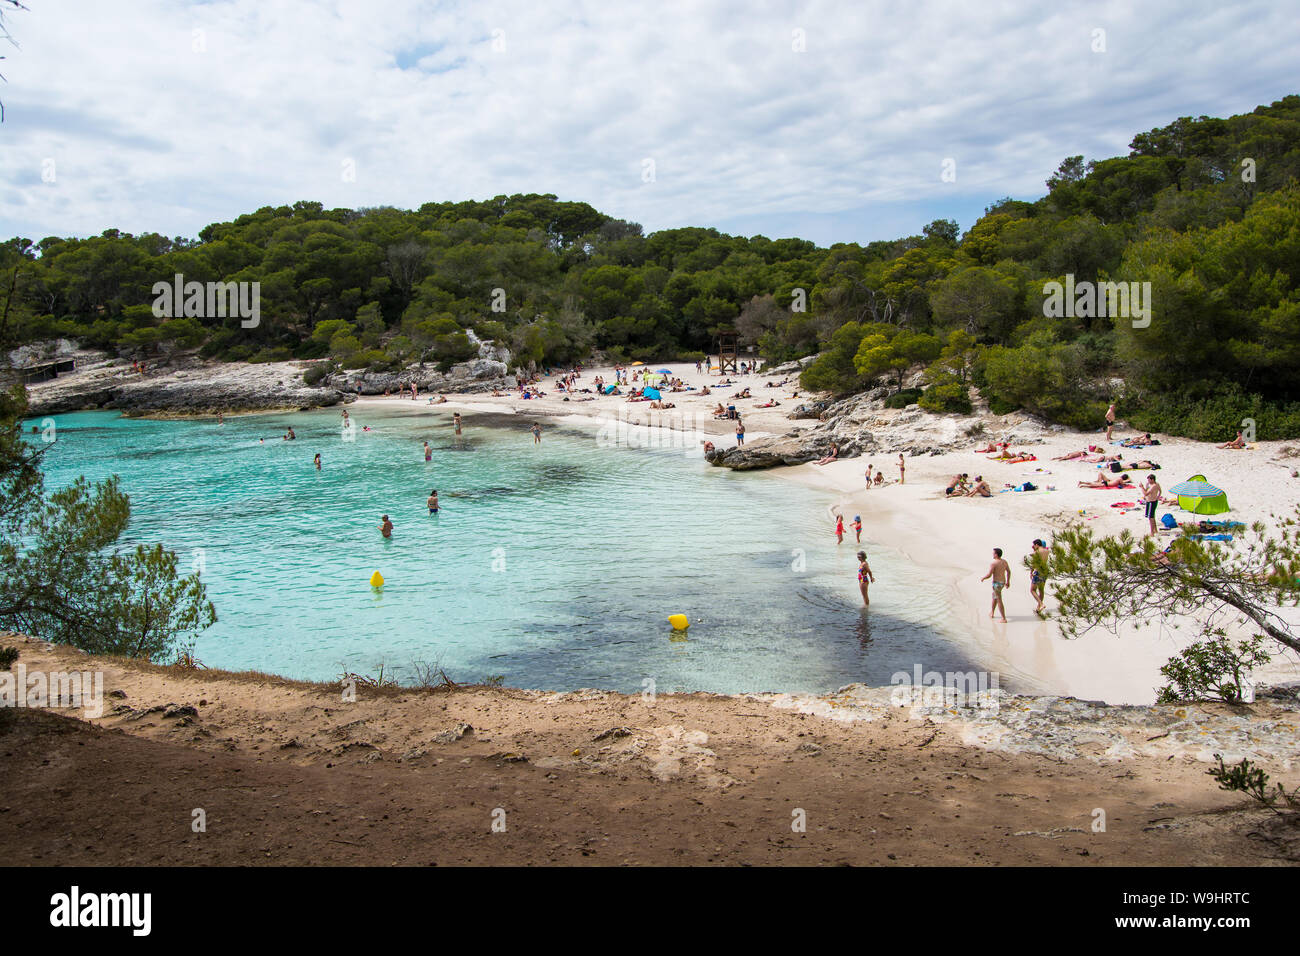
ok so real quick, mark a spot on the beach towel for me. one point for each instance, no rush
(1226, 525)
(1210, 537)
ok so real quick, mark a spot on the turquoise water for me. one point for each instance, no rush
(552, 566)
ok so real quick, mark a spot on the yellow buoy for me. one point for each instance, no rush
(679, 622)
(376, 580)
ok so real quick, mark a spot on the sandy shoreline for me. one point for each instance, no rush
(952, 539)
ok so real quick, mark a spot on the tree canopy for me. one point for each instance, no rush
(1205, 210)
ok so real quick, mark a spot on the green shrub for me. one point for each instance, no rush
(314, 374)
(1214, 669)
(691, 356)
(239, 353)
(908, 396)
(7, 657)
(1217, 417)
(1000, 406)
(367, 358)
(311, 349)
(278, 353)
(219, 342)
(946, 397)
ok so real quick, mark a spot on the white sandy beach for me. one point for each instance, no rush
(952, 539)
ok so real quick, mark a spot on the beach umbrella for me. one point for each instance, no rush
(665, 371)
(638, 363)
(1200, 497)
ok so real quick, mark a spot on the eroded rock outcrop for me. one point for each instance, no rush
(183, 388)
(862, 425)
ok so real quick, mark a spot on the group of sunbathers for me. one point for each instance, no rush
(961, 487)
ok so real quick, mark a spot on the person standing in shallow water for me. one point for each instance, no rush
(428, 452)
(864, 577)
(433, 502)
(537, 433)
(386, 527)
(455, 420)
(316, 461)
(1000, 572)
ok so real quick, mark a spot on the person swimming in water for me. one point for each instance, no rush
(433, 502)
(864, 577)
(386, 527)
(289, 435)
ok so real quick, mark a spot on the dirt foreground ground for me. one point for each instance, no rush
(265, 771)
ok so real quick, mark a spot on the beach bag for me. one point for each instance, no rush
(1168, 521)
(1116, 467)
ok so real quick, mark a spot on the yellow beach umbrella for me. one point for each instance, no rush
(638, 363)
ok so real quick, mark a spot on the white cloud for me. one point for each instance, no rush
(165, 115)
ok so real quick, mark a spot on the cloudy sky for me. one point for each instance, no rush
(831, 121)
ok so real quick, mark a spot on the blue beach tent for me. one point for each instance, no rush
(650, 393)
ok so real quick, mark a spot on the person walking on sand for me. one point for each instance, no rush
(386, 527)
(1151, 492)
(1038, 579)
(839, 529)
(740, 432)
(869, 467)
(415, 392)
(433, 502)
(857, 527)
(902, 469)
(1110, 420)
(1000, 572)
(864, 576)
(537, 433)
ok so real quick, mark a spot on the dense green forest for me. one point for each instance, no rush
(1205, 210)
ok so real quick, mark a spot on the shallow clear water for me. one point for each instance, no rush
(554, 566)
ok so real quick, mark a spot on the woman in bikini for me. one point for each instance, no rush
(864, 577)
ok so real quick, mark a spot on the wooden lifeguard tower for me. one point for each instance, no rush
(728, 355)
